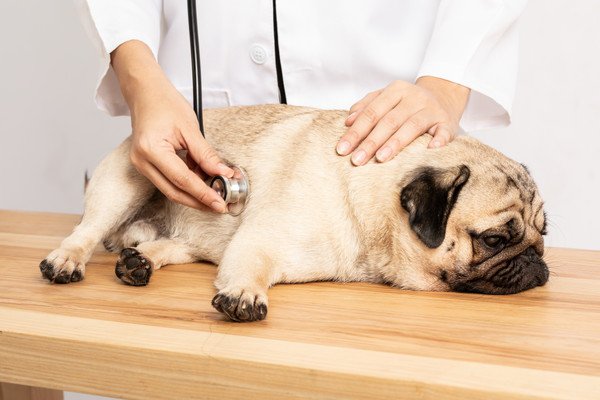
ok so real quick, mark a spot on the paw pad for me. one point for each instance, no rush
(133, 268)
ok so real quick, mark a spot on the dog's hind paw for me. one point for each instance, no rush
(241, 305)
(62, 267)
(133, 268)
(112, 246)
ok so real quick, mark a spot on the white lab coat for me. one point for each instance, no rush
(333, 52)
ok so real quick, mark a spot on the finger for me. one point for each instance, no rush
(180, 176)
(366, 120)
(205, 156)
(189, 161)
(360, 105)
(385, 128)
(414, 127)
(441, 136)
(168, 189)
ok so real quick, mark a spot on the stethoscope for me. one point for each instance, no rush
(233, 190)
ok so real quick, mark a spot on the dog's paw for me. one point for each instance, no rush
(241, 305)
(62, 266)
(133, 268)
(112, 245)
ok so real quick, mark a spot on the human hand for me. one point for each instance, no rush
(164, 123)
(389, 119)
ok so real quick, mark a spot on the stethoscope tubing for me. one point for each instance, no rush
(234, 190)
(195, 54)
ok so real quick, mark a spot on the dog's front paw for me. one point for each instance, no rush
(133, 268)
(241, 305)
(62, 266)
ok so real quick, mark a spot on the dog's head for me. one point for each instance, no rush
(478, 226)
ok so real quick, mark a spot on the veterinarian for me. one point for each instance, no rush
(404, 68)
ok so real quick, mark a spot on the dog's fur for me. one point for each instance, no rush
(463, 217)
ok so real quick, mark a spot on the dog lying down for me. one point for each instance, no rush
(462, 218)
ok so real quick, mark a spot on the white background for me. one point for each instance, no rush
(51, 131)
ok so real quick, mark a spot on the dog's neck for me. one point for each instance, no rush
(380, 184)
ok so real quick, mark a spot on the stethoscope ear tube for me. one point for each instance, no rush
(195, 53)
(234, 190)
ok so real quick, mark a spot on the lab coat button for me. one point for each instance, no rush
(258, 54)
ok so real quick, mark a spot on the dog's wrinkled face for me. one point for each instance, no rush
(480, 226)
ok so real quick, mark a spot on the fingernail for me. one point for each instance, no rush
(225, 170)
(219, 206)
(435, 144)
(358, 157)
(343, 147)
(350, 116)
(384, 154)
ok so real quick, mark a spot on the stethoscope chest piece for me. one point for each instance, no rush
(234, 190)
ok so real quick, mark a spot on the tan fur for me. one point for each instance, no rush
(311, 215)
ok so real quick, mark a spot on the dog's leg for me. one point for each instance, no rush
(245, 274)
(130, 235)
(136, 264)
(115, 192)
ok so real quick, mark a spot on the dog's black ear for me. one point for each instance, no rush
(429, 198)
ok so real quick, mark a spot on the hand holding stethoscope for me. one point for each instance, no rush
(163, 123)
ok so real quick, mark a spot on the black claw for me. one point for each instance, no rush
(244, 312)
(229, 308)
(76, 276)
(44, 265)
(239, 310)
(108, 245)
(63, 277)
(216, 302)
(262, 311)
(47, 269)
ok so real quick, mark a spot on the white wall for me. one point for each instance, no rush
(556, 119)
(50, 129)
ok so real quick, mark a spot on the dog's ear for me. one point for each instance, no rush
(429, 198)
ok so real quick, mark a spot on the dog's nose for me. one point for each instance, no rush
(538, 270)
(538, 246)
(534, 251)
(543, 276)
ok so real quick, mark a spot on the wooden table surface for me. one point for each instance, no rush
(320, 340)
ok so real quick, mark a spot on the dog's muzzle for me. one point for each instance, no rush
(525, 271)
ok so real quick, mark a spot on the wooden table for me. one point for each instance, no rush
(320, 340)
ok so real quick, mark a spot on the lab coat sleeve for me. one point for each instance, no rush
(110, 23)
(475, 43)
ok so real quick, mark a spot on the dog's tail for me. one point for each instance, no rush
(86, 180)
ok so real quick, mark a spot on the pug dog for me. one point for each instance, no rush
(463, 217)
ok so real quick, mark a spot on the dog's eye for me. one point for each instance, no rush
(494, 241)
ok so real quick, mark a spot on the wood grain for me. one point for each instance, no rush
(10, 391)
(321, 340)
